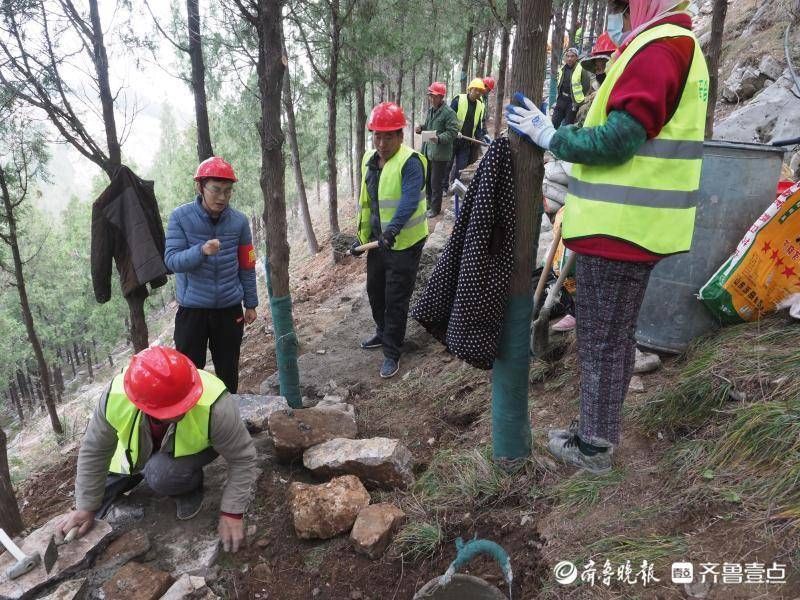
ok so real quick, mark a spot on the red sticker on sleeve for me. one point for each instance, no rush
(247, 257)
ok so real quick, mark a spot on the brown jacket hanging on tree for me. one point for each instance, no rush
(126, 226)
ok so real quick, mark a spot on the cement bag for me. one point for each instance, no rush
(765, 268)
(554, 191)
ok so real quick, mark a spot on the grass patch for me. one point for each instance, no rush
(620, 548)
(748, 359)
(417, 541)
(583, 490)
(461, 478)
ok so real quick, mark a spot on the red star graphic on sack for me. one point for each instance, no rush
(779, 263)
(789, 272)
(774, 254)
(766, 247)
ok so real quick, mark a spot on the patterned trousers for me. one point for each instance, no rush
(610, 293)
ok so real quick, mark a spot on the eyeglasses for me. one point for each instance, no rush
(218, 191)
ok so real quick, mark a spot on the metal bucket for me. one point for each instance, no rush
(461, 587)
(737, 184)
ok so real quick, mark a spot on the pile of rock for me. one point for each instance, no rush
(645, 362)
(325, 437)
(745, 81)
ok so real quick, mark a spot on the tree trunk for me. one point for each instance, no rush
(511, 427)
(413, 101)
(465, 59)
(89, 364)
(294, 152)
(12, 392)
(430, 70)
(573, 26)
(350, 159)
(361, 132)
(593, 29)
(400, 73)
(333, 77)
(204, 148)
(505, 41)
(719, 12)
(22, 384)
(582, 25)
(27, 316)
(557, 47)
(490, 57)
(106, 98)
(10, 519)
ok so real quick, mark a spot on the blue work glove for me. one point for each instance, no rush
(353, 250)
(528, 122)
(487, 139)
(386, 239)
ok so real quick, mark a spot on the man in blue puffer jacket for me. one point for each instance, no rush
(210, 249)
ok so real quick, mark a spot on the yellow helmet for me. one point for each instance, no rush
(477, 83)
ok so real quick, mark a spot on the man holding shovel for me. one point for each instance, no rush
(392, 214)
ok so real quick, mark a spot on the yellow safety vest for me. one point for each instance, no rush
(577, 83)
(192, 434)
(390, 190)
(463, 107)
(650, 200)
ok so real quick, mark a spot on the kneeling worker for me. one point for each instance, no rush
(155, 422)
(391, 212)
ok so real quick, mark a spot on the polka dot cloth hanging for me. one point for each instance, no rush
(465, 299)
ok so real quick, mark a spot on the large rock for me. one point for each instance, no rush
(189, 587)
(73, 589)
(743, 83)
(374, 528)
(129, 545)
(137, 581)
(72, 557)
(326, 510)
(378, 462)
(770, 67)
(773, 115)
(293, 431)
(255, 409)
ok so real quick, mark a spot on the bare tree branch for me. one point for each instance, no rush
(167, 37)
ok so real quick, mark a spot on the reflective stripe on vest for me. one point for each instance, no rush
(390, 191)
(463, 107)
(649, 200)
(191, 432)
(577, 83)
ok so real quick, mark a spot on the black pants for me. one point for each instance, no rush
(390, 281)
(165, 475)
(461, 150)
(220, 329)
(434, 186)
(564, 112)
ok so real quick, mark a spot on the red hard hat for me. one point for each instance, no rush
(162, 382)
(438, 88)
(489, 82)
(215, 168)
(387, 116)
(604, 45)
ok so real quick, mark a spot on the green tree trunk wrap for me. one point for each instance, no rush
(285, 344)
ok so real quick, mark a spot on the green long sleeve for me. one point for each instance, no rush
(611, 144)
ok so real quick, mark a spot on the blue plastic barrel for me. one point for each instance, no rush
(737, 185)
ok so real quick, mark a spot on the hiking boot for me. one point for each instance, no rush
(564, 433)
(188, 505)
(567, 450)
(390, 367)
(374, 342)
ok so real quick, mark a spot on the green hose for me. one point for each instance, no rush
(511, 425)
(285, 344)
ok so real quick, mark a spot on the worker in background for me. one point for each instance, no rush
(631, 200)
(210, 249)
(489, 83)
(162, 420)
(597, 61)
(439, 151)
(469, 109)
(574, 83)
(391, 213)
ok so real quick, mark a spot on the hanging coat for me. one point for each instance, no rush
(126, 227)
(465, 299)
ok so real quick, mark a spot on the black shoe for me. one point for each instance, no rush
(390, 367)
(374, 342)
(188, 505)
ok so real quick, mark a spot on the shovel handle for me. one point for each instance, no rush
(551, 297)
(548, 264)
(473, 140)
(365, 247)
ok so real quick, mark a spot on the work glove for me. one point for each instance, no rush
(386, 239)
(487, 139)
(528, 122)
(353, 250)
